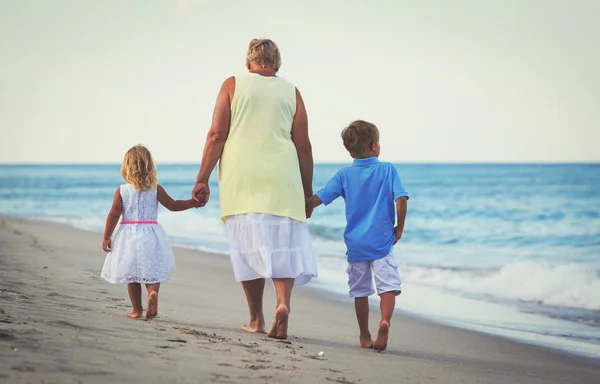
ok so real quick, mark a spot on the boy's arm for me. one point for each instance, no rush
(111, 220)
(173, 205)
(401, 207)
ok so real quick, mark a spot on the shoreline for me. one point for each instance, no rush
(563, 345)
(61, 321)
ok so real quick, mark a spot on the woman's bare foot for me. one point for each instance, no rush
(136, 313)
(380, 343)
(255, 326)
(152, 306)
(366, 341)
(280, 323)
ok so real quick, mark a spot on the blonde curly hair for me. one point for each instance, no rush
(138, 169)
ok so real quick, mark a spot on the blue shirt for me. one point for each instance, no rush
(370, 188)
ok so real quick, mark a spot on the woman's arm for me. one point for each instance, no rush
(173, 205)
(215, 140)
(303, 146)
(111, 220)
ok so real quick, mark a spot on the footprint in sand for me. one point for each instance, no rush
(341, 380)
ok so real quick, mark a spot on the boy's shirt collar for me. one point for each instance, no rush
(366, 161)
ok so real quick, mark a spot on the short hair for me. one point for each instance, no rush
(359, 136)
(264, 52)
(138, 169)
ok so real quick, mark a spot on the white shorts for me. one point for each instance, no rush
(385, 271)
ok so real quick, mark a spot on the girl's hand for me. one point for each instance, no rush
(107, 245)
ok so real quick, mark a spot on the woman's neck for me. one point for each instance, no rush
(263, 71)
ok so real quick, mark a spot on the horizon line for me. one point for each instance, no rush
(569, 162)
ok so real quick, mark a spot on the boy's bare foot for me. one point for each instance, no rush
(255, 326)
(152, 307)
(366, 341)
(136, 314)
(380, 343)
(280, 323)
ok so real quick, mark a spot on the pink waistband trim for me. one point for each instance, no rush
(139, 222)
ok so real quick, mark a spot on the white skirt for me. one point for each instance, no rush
(141, 253)
(268, 246)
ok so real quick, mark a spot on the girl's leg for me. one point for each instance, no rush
(254, 296)
(135, 295)
(361, 306)
(388, 302)
(283, 290)
(152, 306)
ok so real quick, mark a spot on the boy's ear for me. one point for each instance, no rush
(373, 145)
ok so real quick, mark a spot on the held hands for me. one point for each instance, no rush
(201, 193)
(398, 231)
(107, 245)
(308, 208)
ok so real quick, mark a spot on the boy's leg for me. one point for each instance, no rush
(254, 297)
(135, 295)
(389, 286)
(361, 306)
(152, 306)
(283, 291)
(388, 302)
(360, 282)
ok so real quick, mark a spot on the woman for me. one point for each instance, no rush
(259, 135)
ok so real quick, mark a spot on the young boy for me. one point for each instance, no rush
(370, 189)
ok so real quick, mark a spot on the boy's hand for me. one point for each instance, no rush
(107, 245)
(398, 232)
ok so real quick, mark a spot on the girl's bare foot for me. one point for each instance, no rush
(280, 323)
(366, 341)
(152, 307)
(136, 314)
(380, 343)
(255, 326)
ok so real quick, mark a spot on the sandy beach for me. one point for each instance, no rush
(60, 323)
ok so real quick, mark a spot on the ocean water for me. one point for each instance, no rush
(512, 250)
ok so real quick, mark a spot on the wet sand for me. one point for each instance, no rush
(61, 323)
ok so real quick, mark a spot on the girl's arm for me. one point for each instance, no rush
(111, 220)
(174, 205)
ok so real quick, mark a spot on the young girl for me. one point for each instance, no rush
(139, 251)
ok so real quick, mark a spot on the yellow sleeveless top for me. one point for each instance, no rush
(258, 169)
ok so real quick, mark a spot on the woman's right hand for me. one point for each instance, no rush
(201, 193)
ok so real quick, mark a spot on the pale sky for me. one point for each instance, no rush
(445, 81)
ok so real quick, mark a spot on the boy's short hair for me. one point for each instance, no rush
(358, 137)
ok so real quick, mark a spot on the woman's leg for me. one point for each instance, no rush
(254, 296)
(152, 306)
(283, 290)
(135, 295)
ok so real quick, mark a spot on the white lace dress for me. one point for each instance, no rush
(141, 252)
